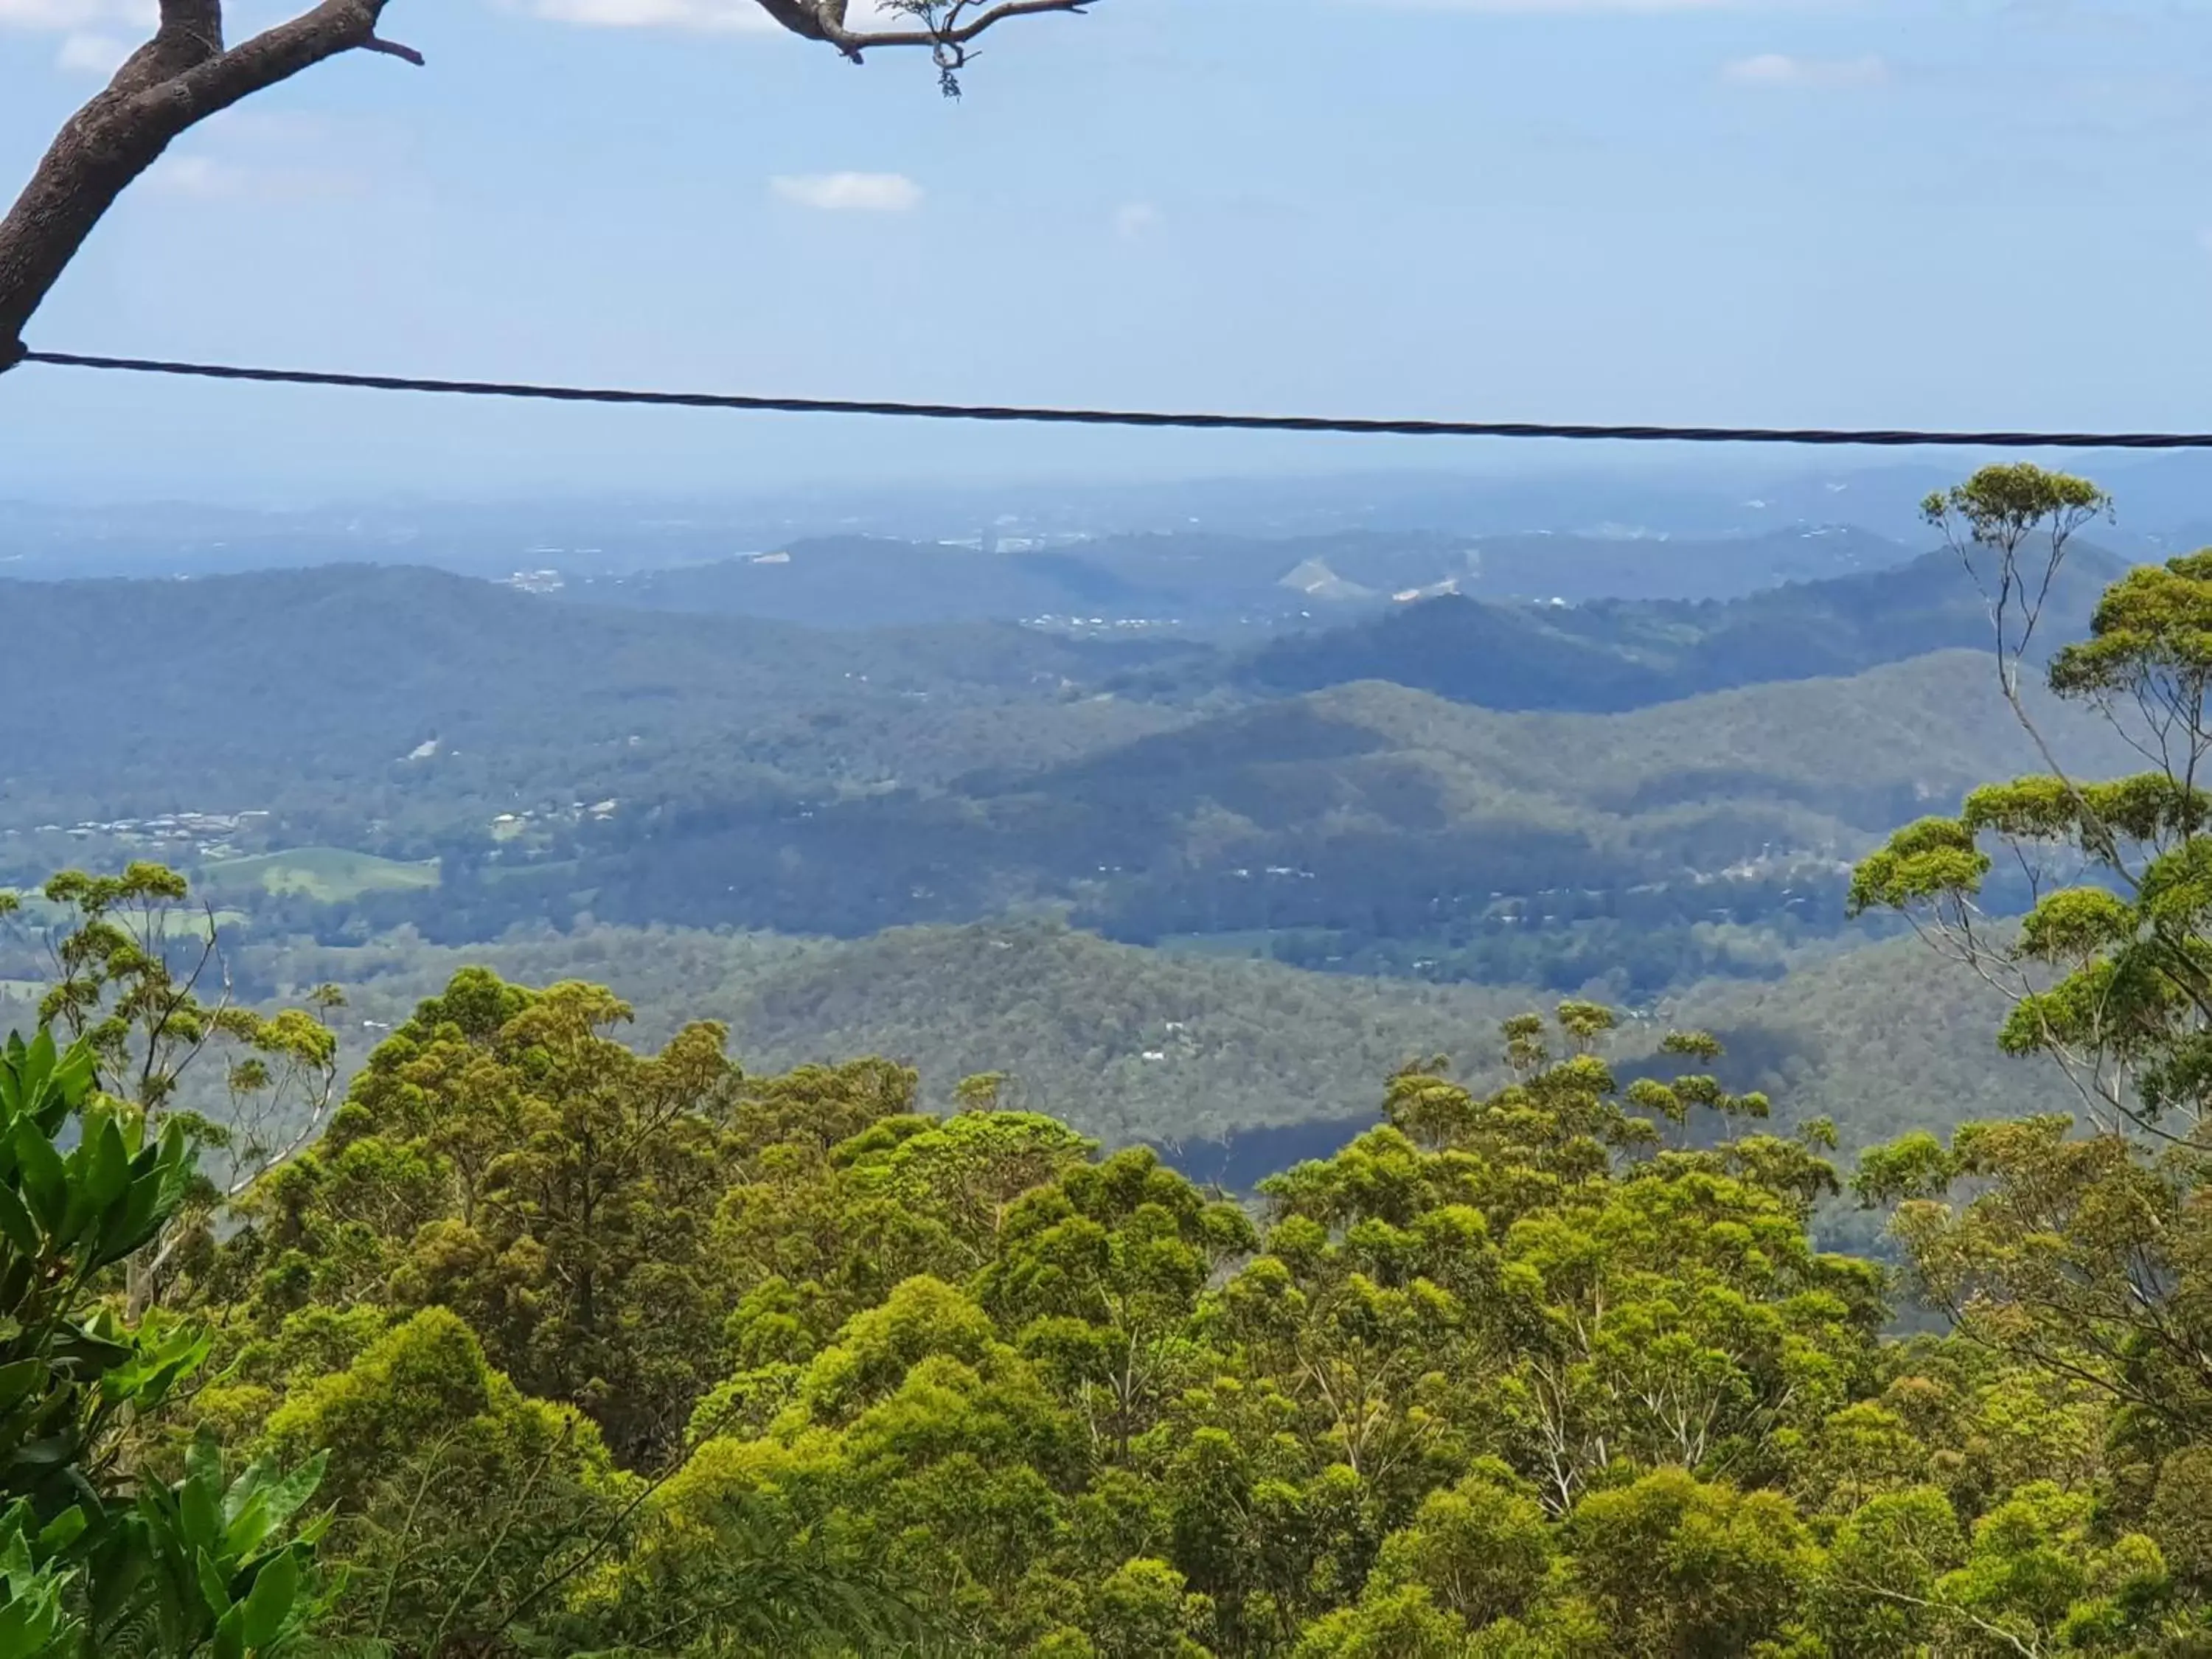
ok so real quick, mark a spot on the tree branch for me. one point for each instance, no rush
(824, 20)
(191, 31)
(956, 33)
(186, 73)
(175, 81)
(392, 49)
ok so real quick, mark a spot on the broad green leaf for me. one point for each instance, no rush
(213, 1589)
(204, 1460)
(230, 1635)
(44, 1454)
(109, 1168)
(63, 1530)
(249, 1526)
(269, 1603)
(286, 1495)
(45, 1182)
(248, 1489)
(16, 1225)
(18, 1379)
(201, 1513)
(37, 1062)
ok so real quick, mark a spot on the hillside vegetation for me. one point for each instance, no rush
(676, 1291)
(1612, 655)
(308, 691)
(1880, 1039)
(1370, 811)
(1206, 581)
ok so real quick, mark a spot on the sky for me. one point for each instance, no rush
(1834, 212)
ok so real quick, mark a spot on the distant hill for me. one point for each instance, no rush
(1376, 811)
(1611, 655)
(401, 695)
(571, 760)
(857, 581)
(1885, 1039)
(1126, 1043)
(313, 687)
(1203, 581)
(1131, 1043)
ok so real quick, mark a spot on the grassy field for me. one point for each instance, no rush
(329, 875)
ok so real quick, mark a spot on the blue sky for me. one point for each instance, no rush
(1799, 211)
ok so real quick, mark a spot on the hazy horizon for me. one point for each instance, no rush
(1675, 213)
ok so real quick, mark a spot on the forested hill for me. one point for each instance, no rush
(1204, 579)
(1377, 813)
(314, 687)
(311, 686)
(1610, 655)
(1133, 1044)
(567, 760)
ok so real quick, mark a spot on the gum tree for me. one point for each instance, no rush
(2083, 1244)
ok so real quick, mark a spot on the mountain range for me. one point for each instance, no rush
(1047, 847)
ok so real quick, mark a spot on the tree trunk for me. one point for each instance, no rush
(172, 82)
(87, 167)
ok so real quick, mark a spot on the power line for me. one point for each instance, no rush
(1902, 438)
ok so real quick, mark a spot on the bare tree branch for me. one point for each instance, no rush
(824, 20)
(393, 49)
(186, 73)
(172, 82)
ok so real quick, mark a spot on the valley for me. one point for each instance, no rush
(1189, 887)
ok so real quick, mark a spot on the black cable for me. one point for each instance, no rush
(1878, 439)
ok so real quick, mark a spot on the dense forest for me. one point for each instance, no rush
(1205, 1056)
(541, 1333)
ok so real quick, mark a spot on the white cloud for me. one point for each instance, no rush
(849, 192)
(92, 54)
(1775, 69)
(1135, 219)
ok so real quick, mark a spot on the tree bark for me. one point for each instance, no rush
(172, 83)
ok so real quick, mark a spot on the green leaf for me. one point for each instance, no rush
(269, 1603)
(63, 1530)
(286, 1496)
(246, 1489)
(18, 1379)
(204, 1460)
(73, 1077)
(45, 1182)
(44, 1454)
(230, 1635)
(108, 1168)
(250, 1526)
(213, 1590)
(133, 1220)
(16, 1225)
(200, 1513)
(38, 1065)
(122, 1561)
